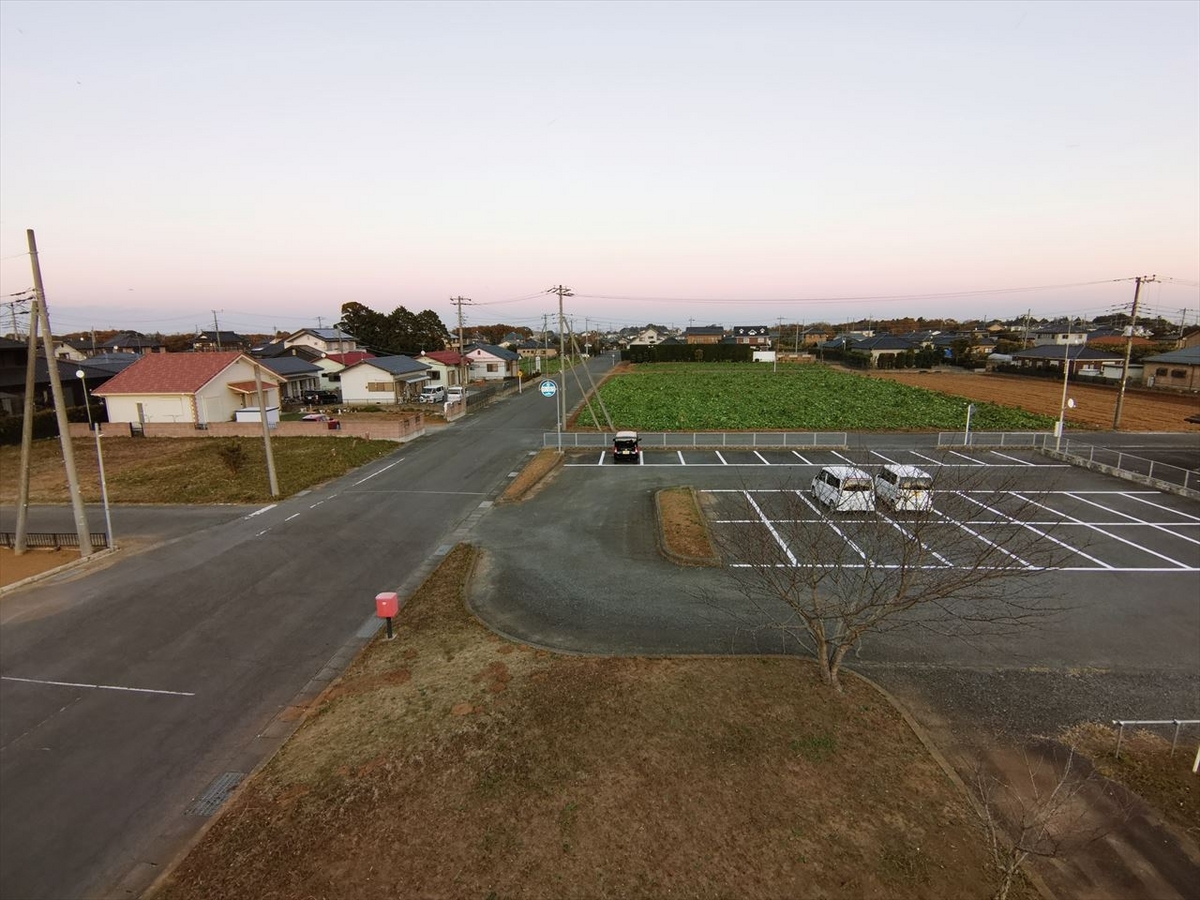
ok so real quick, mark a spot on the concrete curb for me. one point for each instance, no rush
(58, 570)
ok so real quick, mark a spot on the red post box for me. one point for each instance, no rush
(387, 604)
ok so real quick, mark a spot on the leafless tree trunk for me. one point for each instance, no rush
(1040, 813)
(967, 568)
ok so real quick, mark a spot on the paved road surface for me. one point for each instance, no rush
(127, 691)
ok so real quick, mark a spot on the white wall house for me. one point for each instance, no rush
(491, 363)
(186, 387)
(327, 340)
(383, 381)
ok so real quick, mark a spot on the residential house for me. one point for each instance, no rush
(445, 367)
(187, 387)
(326, 340)
(332, 364)
(880, 345)
(72, 350)
(207, 341)
(704, 334)
(1056, 334)
(755, 335)
(491, 363)
(1176, 369)
(647, 337)
(132, 342)
(383, 380)
(1081, 359)
(13, 357)
(297, 376)
(531, 348)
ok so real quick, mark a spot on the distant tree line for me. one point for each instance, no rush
(399, 331)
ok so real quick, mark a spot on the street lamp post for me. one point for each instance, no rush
(95, 427)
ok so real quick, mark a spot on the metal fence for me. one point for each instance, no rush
(705, 439)
(1125, 463)
(1178, 723)
(55, 539)
(990, 438)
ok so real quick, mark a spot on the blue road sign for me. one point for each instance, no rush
(549, 388)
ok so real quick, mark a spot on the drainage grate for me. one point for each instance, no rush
(218, 792)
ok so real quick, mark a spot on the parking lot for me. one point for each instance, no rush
(1116, 527)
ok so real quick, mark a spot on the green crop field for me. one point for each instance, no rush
(749, 396)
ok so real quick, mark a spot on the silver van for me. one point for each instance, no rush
(844, 489)
(904, 488)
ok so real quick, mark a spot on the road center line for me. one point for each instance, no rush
(379, 472)
(259, 512)
(292, 516)
(97, 687)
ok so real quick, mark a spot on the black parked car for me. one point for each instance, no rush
(321, 398)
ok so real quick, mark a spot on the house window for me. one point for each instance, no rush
(493, 367)
(1160, 372)
(379, 386)
(1178, 373)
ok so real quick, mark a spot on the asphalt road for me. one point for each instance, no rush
(127, 690)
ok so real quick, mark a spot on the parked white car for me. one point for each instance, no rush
(844, 489)
(435, 394)
(455, 393)
(905, 488)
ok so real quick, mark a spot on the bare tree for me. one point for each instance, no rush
(967, 567)
(1044, 811)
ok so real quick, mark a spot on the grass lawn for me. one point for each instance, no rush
(451, 763)
(186, 470)
(735, 396)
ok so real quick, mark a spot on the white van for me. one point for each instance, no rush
(844, 489)
(432, 394)
(455, 393)
(905, 488)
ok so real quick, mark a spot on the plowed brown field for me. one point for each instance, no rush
(1094, 405)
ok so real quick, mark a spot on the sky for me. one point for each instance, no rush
(260, 164)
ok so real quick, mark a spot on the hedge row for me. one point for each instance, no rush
(45, 423)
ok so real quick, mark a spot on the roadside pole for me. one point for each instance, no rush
(60, 407)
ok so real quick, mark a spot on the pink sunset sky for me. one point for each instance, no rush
(676, 163)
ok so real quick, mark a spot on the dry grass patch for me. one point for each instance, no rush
(14, 568)
(450, 763)
(683, 528)
(533, 477)
(1146, 767)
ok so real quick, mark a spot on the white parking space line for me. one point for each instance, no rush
(97, 687)
(968, 458)
(1036, 531)
(912, 537)
(766, 462)
(682, 461)
(884, 458)
(379, 472)
(600, 461)
(930, 459)
(771, 528)
(853, 546)
(720, 457)
(1013, 458)
(844, 459)
(802, 459)
(1115, 537)
(974, 533)
(1135, 519)
(1132, 496)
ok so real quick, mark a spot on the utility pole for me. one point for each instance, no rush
(1137, 291)
(216, 331)
(27, 432)
(1025, 340)
(562, 363)
(272, 481)
(462, 359)
(60, 405)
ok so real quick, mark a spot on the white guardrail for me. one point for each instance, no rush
(755, 439)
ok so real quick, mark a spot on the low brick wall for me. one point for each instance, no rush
(399, 430)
